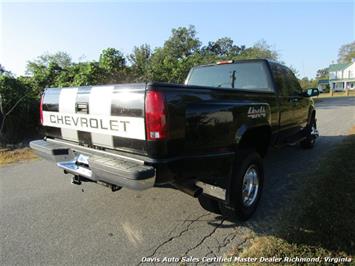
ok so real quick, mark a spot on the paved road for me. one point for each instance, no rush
(46, 220)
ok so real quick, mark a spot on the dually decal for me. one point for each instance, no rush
(256, 112)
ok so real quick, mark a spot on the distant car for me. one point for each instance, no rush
(320, 90)
(312, 91)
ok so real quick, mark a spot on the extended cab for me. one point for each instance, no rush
(206, 137)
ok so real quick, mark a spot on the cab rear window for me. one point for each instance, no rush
(244, 76)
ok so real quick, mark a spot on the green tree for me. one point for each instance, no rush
(223, 47)
(307, 83)
(182, 42)
(2, 69)
(81, 74)
(180, 52)
(260, 49)
(140, 59)
(113, 62)
(322, 73)
(60, 59)
(166, 68)
(44, 76)
(346, 53)
(12, 93)
(45, 69)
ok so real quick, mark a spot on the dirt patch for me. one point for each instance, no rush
(16, 155)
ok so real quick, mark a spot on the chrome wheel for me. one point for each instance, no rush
(310, 135)
(250, 186)
(314, 132)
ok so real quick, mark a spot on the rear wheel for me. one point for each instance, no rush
(312, 134)
(246, 187)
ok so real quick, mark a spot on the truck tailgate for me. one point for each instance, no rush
(109, 116)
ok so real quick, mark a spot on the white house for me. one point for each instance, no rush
(342, 76)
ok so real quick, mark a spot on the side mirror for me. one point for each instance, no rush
(311, 92)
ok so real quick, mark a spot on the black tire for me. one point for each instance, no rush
(310, 140)
(209, 204)
(238, 208)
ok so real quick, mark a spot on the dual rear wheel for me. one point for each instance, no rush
(245, 189)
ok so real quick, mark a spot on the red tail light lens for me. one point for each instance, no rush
(41, 110)
(155, 116)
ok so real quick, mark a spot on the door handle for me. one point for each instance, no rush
(293, 100)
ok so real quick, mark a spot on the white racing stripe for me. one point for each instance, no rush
(100, 104)
(67, 99)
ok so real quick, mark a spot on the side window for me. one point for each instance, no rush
(294, 88)
(279, 78)
(285, 80)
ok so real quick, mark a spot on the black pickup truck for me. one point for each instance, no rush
(206, 137)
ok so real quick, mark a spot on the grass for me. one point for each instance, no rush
(320, 218)
(8, 156)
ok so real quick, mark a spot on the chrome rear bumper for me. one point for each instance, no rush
(102, 166)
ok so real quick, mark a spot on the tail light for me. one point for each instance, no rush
(155, 116)
(41, 110)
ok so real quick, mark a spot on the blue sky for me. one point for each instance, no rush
(306, 34)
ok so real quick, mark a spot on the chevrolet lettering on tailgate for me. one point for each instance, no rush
(132, 127)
